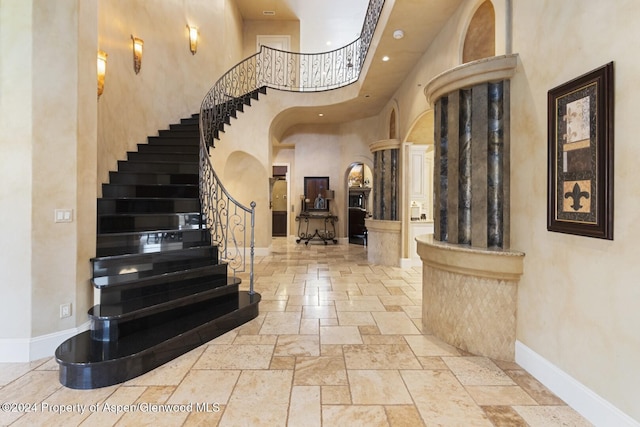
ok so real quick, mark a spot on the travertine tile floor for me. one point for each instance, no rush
(338, 342)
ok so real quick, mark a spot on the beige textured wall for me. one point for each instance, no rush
(51, 163)
(172, 82)
(578, 300)
(252, 29)
(16, 117)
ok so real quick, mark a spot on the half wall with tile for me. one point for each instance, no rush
(470, 276)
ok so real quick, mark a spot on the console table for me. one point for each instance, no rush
(326, 234)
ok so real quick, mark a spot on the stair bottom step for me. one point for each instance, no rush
(87, 364)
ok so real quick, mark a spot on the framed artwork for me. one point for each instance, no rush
(315, 193)
(580, 155)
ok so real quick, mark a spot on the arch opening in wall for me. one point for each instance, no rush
(480, 38)
(392, 125)
(359, 178)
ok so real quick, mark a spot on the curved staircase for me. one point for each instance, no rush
(162, 288)
(165, 219)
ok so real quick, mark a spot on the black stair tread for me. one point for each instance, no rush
(160, 162)
(141, 278)
(86, 363)
(150, 304)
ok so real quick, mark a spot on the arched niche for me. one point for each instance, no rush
(480, 37)
(392, 125)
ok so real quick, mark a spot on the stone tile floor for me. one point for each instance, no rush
(338, 342)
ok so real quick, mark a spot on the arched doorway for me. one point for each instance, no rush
(359, 179)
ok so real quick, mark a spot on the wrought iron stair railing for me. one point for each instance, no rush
(276, 69)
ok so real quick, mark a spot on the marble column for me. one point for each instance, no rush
(472, 165)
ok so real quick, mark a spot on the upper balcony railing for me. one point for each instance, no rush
(276, 69)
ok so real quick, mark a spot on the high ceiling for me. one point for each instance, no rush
(421, 20)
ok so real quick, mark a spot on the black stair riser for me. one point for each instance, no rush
(168, 140)
(140, 283)
(86, 363)
(193, 126)
(158, 167)
(190, 121)
(144, 274)
(145, 222)
(178, 260)
(152, 178)
(151, 205)
(191, 149)
(142, 190)
(180, 133)
(134, 243)
(161, 157)
(123, 294)
(110, 322)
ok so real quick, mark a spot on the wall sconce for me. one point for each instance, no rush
(193, 39)
(102, 70)
(137, 53)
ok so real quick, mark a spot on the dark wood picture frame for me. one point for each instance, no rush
(316, 187)
(580, 155)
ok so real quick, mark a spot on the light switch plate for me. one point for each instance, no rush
(63, 215)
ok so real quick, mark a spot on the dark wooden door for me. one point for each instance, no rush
(279, 223)
(279, 203)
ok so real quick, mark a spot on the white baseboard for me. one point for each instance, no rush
(262, 251)
(594, 408)
(410, 262)
(19, 350)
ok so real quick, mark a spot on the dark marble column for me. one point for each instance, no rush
(385, 190)
(472, 166)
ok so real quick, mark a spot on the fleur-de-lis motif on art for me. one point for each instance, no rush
(576, 194)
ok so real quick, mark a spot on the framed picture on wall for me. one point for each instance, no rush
(315, 192)
(580, 155)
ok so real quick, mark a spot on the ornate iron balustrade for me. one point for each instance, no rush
(226, 219)
(277, 69)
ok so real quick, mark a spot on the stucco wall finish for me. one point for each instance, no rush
(578, 299)
(55, 167)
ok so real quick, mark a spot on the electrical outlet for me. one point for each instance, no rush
(65, 310)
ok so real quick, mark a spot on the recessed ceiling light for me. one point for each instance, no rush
(329, 43)
(320, 115)
(398, 34)
(269, 12)
(385, 58)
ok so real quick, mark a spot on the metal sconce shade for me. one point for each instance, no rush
(102, 70)
(193, 39)
(137, 53)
